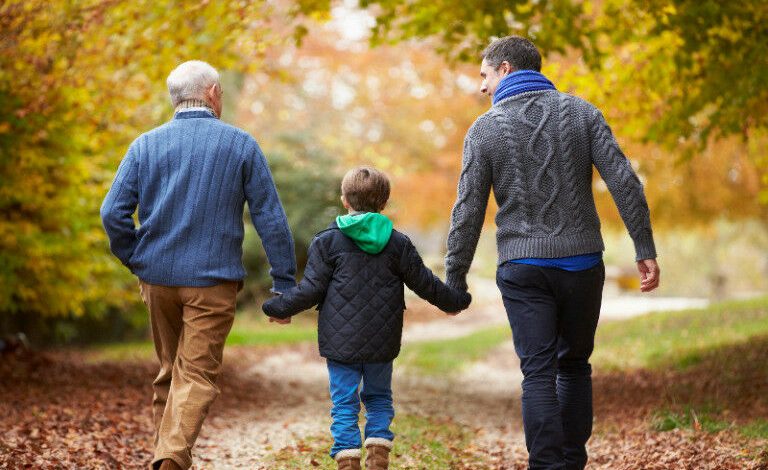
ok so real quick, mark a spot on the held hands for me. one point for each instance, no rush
(465, 298)
(281, 321)
(649, 274)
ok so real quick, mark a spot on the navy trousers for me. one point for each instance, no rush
(553, 314)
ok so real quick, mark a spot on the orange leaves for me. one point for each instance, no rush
(396, 107)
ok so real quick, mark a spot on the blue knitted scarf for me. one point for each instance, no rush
(520, 82)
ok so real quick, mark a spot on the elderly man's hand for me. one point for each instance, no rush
(649, 274)
(282, 321)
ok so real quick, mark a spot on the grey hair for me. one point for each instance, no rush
(191, 80)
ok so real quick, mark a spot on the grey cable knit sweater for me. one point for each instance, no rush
(536, 151)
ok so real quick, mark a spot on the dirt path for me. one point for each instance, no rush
(484, 398)
(296, 380)
(57, 411)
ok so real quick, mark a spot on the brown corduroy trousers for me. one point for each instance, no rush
(189, 327)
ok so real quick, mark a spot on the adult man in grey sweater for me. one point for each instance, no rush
(535, 147)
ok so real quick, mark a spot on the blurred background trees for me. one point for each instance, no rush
(78, 81)
(684, 83)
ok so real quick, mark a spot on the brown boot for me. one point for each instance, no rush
(348, 459)
(169, 464)
(378, 453)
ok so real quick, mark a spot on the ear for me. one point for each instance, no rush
(345, 203)
(506, 68)
(212, 91)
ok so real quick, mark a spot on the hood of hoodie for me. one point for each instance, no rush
(370, 230)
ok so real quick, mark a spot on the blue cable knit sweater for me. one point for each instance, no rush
(190, 179)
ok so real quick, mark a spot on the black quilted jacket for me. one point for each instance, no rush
(360, 295)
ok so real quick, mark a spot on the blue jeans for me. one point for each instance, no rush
(553, 314)
(346, 393)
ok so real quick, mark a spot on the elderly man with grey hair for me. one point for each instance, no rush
(190, 179)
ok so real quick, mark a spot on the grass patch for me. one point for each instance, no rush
(420, 442)
(248, 330)
(757, 429)
(703, 419)
(661, 339)
(121, 352)
(706, 419)
(444, 357)
(428, 443)
(678, 339)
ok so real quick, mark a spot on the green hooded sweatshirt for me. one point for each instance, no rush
(370, 230)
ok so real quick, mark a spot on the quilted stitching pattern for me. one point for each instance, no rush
(361, 319)
(361, 296)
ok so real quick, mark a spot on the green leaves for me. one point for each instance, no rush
(461, 29)
(720, 59)
(714, 53)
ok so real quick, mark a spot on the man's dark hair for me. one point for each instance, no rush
(518, 51)
(365, 189)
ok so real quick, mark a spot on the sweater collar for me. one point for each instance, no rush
(521, 81)
(194, 106)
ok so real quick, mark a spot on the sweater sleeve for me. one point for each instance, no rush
(429, 287)
(624, 185)
(269, 219)
(118, 207)
(468, 214)
(311, 289)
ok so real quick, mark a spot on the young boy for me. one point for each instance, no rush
(355, 273)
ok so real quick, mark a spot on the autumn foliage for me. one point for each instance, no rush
(682, 82)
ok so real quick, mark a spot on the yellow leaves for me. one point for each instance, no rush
(589, 7)
(669, 9)
(726, 31)
(85, 77)
(20, 64)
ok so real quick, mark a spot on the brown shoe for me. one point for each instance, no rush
(348, 459)
(378, 453)
(169, 464)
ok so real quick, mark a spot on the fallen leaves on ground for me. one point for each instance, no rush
(57, 411)
(732, 381)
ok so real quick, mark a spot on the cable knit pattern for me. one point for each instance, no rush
(570, 181)
(517, 188)
(624, 185)
(536, 150)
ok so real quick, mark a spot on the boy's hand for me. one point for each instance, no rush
(282, 321)
(464, 299)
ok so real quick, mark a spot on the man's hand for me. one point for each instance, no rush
(649, 274)
(463, 303)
